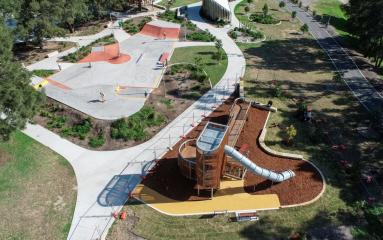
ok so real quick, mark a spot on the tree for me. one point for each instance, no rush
(247, 9)
(304, 28)
(366, 22)
(282, 4)
(293, 14)
(265, 9)
(169, 4)
(299, 4)
(218, 46)
(74, 12)
(19, 101)
(250, 1)
(39, 20)
(291, 132)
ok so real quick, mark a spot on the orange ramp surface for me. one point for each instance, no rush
(110, 54)
(160, 30)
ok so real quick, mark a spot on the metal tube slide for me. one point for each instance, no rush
(270, 175)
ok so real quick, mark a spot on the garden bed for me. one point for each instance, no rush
(182, 89)
(189, 30)
(246, 35)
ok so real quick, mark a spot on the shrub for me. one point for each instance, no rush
(56, 121)
(264, 19)
(305, 28)
(98, 141)
(42, 72)
(202, 36)
(247, 9)
(189, 25)
(293, 14)
(265, 10)
(291, 133)
(144, 21)
(233, 34)
(299, 4)
(130, 27)
(133, 128)
(79, 130)
(282, 4)
(250, 1)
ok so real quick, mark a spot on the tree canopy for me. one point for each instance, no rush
(19, 101)
(366, 21)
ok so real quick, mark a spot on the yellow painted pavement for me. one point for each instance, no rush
(230, 197)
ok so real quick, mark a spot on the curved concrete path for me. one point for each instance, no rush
(104, 179)
(353, 77)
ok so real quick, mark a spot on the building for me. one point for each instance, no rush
(216, 9)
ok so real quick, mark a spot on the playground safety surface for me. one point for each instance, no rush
(164, 188)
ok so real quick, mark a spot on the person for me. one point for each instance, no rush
(102, 96)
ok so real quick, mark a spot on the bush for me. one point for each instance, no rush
(247, 9)
(98, 141)
(305, 28)
(133, 128)
(233, 34)
(189, 26)
(250, 1)
(42, 73)
(170, 16)
(291, 133)
(130, 27)
(202, 36)
(282, 4)
(79, 130)
(56, 121)
(264, 19)
(293, 14)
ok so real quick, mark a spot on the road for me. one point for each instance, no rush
(367, 95)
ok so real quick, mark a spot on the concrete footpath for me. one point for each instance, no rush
(105, 178)
(367, 95)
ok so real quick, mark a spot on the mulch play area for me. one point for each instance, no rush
(167, 180)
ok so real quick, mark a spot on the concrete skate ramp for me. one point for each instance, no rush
(108, 53)
(161, 29)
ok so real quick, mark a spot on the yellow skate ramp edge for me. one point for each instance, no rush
(224, 200)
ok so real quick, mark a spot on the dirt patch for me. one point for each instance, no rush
(90, 28)
(166, 178)
(170, 103)
(28, 54)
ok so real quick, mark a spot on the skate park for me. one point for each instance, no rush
(124, 73)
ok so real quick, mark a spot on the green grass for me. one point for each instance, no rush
(214, 70)
(334, 9)
(37, 191)
(178, 3)
(43, 73)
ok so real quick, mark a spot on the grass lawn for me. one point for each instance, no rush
(178, 3)
(334, 9)
(37, 191)
(287, 28)
(43, 73)
(214, 70)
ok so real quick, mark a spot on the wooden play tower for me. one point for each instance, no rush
(204, 160)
